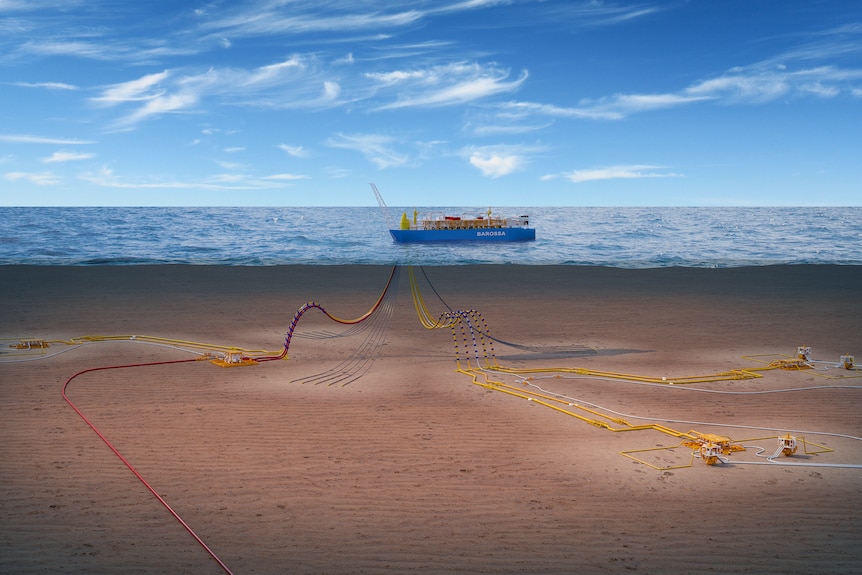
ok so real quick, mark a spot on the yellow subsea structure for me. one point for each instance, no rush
(712, 447)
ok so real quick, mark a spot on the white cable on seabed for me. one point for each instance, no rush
(734, 426)
(759, 451)
(76, 346)
(158, 344)
(778, 451)
(829, 364)
(790, 464)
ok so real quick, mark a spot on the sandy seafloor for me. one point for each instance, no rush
(410, 467)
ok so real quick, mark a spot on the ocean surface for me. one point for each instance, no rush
(615, 237)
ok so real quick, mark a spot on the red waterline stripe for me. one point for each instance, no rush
(126, 462)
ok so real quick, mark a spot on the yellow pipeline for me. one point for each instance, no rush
(733, 375)
(425, 317)
(550, 401)
(161, 341)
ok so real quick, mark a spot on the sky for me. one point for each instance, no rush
(437, 102)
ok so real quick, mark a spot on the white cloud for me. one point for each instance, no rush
(517, 111)
(258, 19)
(753, 85)
(212, 131)
(289, 81)
(614, 107)
(133, 90)
(270, 72)
(599, 13)
(331, 90)
(764, 83)
(496, 129)
(497, 161)
(375, 147)
(156, 99)
(157, 106)
(295, 151)
(818, 89)
(285, 177)
(48, 85)
(348, 59)
(337, 16)
(758, 87)
(71, 48)
(495, 165)
(446, 84)
(397, 76)
(98, 45)
(228, 178)
(627, 104)
(66, 157)
(25, 139)
(630, 171)
(161, 105)
(44, 179)
(106, 178)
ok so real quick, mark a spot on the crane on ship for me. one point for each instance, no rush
(383, 207)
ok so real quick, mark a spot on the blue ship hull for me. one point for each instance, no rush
(465, 235)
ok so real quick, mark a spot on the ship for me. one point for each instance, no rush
(487, 227)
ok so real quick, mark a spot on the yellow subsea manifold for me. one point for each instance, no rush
(233, 358)
(712, 447)
(31, 344)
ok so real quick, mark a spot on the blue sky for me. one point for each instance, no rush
(439, 102)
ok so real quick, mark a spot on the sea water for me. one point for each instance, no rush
(617, 237)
